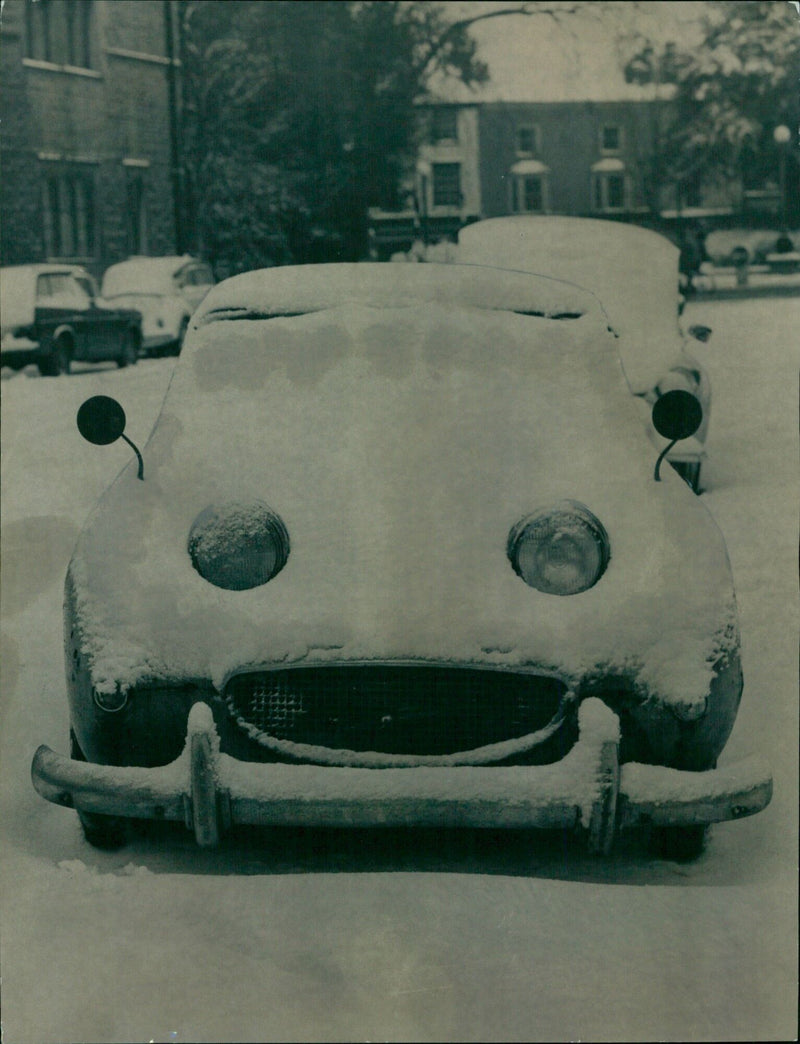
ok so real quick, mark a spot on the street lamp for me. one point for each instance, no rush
(782, 136)
(424, 173)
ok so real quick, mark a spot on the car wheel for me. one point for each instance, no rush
(130, 350)
(58, 361)
(678, 844)
(106, 832)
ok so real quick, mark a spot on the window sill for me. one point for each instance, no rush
(70, 70)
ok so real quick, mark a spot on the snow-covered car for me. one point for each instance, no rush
(634, 273)
(166, 290)
(52, 316)
(396, 553)
(746, 245)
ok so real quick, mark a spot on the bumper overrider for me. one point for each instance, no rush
(587, 791)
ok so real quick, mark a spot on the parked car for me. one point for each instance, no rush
(396, 553)
(732, 246)
(634, 273)
(166, 290)
(52, 316)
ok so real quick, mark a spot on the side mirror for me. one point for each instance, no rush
(676, 415)
(101, 421)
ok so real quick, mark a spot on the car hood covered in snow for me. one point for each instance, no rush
(400, 426)
(633, 271)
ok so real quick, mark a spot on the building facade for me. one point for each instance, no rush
(89, 113)
(577, 158)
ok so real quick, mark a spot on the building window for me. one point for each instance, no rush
(527, 140)
(444, 124)
(609, 191)
(446, 184)
(68, 208)
(528, 193)
(59, 31)
(137, 214)
(610, 138)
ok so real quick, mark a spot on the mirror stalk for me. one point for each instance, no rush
(140, 472)
(656, 473)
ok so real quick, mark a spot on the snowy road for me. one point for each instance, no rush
(405, 935)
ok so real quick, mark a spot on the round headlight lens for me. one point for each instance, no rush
(238, 545)
(561, 550)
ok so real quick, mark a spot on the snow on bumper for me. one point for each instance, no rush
(588, 789)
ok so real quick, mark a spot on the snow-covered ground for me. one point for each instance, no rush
(437, 935)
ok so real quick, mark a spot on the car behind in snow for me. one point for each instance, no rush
(166, 290)
(397, 553)
(53, 316)
(634, 273)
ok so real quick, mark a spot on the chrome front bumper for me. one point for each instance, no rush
(588, 790)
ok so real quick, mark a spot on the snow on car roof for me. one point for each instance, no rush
(143, 274)
(18, 290)
(632, 270)
(310, 288)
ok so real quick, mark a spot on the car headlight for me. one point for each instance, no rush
(560, 550)
(238, 545)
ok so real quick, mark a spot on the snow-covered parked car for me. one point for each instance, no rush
(634, 273)
(396, 553)
(52, 316)
(166, 290)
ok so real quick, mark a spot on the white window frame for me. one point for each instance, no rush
(535, 134)
(600, 191)
(518, 192)
(604, 149)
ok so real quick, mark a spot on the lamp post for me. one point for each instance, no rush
(782, 136)
(424, 173)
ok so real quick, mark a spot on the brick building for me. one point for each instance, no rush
(89, 110)
(585, 158)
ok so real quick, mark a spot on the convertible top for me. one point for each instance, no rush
(301, 290)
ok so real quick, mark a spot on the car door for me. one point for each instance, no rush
(61, 302)
(103, 325)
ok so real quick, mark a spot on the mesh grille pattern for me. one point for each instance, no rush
(394, 709)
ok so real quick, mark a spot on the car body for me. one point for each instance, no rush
(52, 315)
(325, 569)
(634, 273)
(166, 290)
(732, 246)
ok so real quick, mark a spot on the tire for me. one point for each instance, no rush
(130, 350)
(104, 832)
(678, 844)
(58, 361)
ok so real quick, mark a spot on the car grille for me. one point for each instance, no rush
(416, 710)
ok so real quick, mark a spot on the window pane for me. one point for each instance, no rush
(616, 191)
(611, 139)
(35, 18)
(69, 19)
(533, 193)
(526, 139)
(83, 41)
(135, 215)
(49, 210)
(444, 125)
(446, 184)
(598, 193)
(81, 217)
(56, 14)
